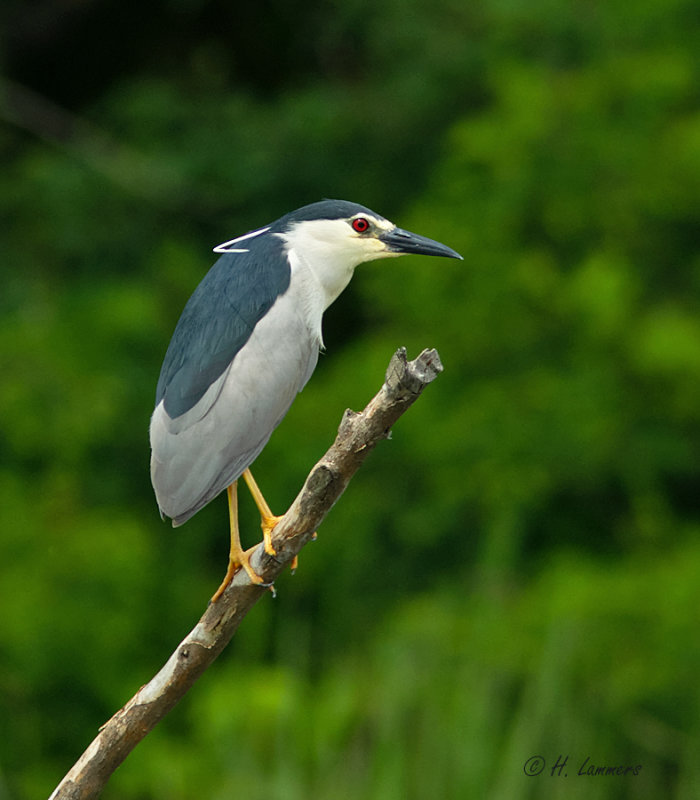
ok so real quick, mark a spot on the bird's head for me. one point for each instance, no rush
(350, 234)
(332, 237)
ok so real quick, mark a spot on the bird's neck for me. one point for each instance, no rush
(325, 273)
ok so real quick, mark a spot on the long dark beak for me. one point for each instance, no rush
(398, 240)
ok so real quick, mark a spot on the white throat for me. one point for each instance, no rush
(326, 251)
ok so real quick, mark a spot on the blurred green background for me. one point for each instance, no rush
(517, 572)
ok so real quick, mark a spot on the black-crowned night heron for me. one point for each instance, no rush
(246, 344)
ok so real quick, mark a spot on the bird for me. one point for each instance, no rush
(246, 344)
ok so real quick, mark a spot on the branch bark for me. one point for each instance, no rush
(358, 434)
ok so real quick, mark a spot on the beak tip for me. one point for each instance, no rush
(402, 242)
(448, 252)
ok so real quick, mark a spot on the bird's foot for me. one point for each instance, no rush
(268, 523)
(235, 563)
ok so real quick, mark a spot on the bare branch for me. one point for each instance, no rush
(357, 436)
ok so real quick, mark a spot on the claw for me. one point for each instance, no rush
(268, 524)
(241, 561)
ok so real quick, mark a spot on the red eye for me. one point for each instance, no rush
(360, 225)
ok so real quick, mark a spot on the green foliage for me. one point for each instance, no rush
(516, 572)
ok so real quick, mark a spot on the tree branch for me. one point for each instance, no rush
(357, 436)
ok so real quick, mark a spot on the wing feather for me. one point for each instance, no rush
(219, 319)
(225, 424)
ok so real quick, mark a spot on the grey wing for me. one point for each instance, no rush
(196, 455)
(220, 316)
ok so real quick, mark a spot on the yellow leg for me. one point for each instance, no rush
(267, 519)
(238, 557)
